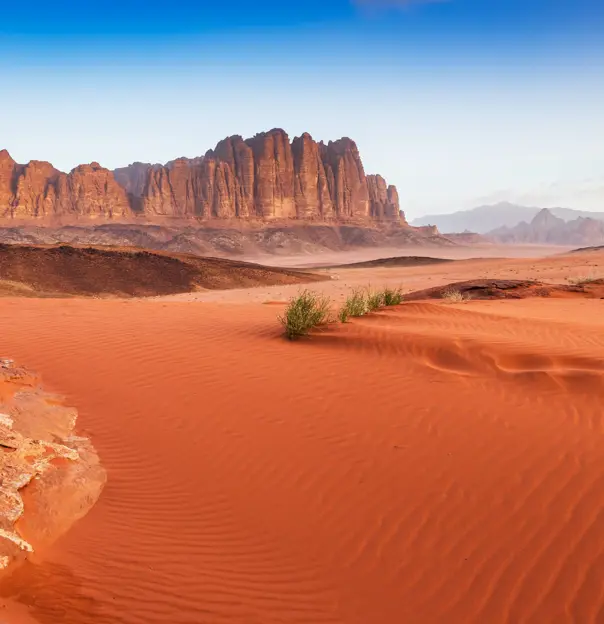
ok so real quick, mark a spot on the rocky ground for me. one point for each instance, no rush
(49, 476)
(225, 239)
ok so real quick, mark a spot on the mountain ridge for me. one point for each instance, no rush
(547, 228)
(483, 219)
(266, 177)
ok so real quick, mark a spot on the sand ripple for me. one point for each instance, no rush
(431, 464)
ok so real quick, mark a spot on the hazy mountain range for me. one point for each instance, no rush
(485, 219)
(546, 228)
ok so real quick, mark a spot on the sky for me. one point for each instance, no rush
(457, 102)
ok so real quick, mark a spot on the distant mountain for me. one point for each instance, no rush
(486, 218)
(547, 228)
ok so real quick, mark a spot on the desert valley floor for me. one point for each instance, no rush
(433, 463)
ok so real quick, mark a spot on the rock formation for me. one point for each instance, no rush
(49, 477)
(312, 194)
(38, 190)
(383, 199)
(134, 177)
(266, 177)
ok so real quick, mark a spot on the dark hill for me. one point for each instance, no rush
(92, 271)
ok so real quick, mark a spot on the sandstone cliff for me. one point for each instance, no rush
(38, 190)
(266, 177)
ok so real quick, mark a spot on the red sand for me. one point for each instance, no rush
(431, 464)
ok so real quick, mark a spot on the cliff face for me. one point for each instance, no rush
(38, 190)
(265, 177)
(312, 194)
(383, 199)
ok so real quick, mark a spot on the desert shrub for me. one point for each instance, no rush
(343, 314)
(355, 305)
(304, 312)
(452, 295)
(392, 296)
(374, 299)
(581, 280)
(363, 301)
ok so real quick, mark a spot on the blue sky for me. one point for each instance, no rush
(455, 101)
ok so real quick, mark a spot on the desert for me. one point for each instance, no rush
(301, 312)
(435, 461)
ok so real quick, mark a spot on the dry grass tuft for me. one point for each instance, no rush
(452, 295)
(304, 312)
(581, 280)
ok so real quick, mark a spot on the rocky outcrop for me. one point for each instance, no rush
(266, 177)
(37, 190)
(134, 177)
(311, 191)
(489, 289)
(383, 199)
(49, 477)
(8, 170)
(273, 175)
(546, 228)
(236, 157)
(91, 191)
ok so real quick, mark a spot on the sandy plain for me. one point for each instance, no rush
(433, 463)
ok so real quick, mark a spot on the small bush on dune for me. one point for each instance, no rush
(375, 300)
(363, 301)
(355, 305)
(343, 315)
(304, 312)
(309, 309)
(392, 297)
(454, 296)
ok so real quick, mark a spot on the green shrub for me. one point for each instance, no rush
(392, 296)
(375, 300)
(363, 301)
(355, 305)
(304, 312)
(343, 314)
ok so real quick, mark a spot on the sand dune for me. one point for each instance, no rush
(430, 464)
(394, 261)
